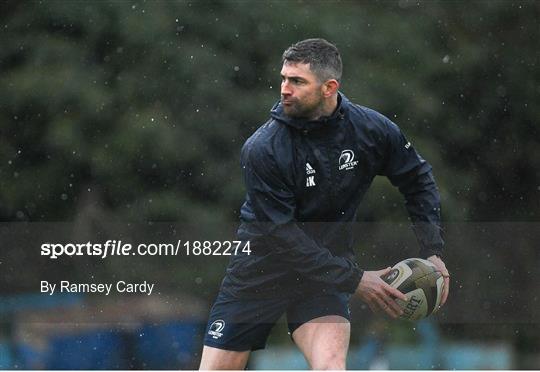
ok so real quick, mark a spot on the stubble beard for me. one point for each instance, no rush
(304, 111)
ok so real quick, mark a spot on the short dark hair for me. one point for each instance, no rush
(323, 58)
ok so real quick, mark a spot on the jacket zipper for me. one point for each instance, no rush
(333, 176)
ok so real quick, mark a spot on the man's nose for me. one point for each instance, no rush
(285, 89)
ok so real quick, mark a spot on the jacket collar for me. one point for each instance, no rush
(304, 124)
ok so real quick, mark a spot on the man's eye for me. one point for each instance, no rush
(293, 81)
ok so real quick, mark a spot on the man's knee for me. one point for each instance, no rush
(329, 362)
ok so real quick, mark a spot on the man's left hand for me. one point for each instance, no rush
(436, 260)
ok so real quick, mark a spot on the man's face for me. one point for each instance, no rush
(301, 92)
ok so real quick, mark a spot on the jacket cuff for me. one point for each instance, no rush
(351, 284)
(429, 236)
(428, 252)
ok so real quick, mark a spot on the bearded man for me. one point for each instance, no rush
(306, 171)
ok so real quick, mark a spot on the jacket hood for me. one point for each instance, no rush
(278, 114)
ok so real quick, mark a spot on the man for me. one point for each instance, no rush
(306, 170)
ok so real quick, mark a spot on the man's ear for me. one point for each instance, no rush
(330, 87)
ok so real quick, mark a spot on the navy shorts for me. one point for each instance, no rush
(241, 324)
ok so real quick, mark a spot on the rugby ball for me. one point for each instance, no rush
(421, 282)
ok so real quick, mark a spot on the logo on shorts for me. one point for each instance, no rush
(216, 327)
(346, 160)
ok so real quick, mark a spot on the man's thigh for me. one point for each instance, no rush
(324, 342)
(217, 359)
(320, 327)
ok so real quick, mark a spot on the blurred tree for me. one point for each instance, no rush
(147, 105)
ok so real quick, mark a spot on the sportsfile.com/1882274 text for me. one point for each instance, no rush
(112, 248)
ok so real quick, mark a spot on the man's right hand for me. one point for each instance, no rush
(378, 294)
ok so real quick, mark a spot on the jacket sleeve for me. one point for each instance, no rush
(412, 175)
(273, 202)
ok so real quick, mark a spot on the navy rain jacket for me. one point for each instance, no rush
(305, 180)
